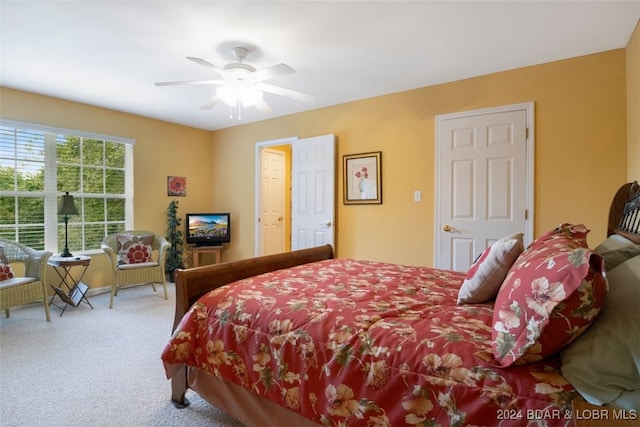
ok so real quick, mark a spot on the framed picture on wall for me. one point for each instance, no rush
(363, 178)
(176, 186)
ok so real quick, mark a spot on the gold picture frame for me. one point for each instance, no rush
(363, 178)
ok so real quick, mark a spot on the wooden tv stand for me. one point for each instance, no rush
(196, 251)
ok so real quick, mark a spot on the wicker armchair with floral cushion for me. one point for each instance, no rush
(137, 258)
(27, 284)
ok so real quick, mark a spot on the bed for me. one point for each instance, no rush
(303, 338)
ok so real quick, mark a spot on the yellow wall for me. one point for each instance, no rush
(633, 106)
(161, 149)
(580, 153)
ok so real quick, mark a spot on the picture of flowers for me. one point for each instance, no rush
(363, 178)
(176, 186)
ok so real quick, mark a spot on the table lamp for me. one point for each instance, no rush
(66, 208)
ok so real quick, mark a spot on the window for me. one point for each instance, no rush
(39, 164)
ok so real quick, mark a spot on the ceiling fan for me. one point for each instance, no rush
(241, 85)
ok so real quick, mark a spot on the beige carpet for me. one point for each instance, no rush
(97, 367)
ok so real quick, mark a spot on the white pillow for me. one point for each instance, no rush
(485, 276)
(604, 363)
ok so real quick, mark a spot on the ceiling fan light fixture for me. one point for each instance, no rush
(242, 86)
(239, 93)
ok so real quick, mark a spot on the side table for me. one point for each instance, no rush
(70, 290)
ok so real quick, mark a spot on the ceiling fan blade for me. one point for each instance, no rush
(293, 94)
(271, 72)
(191, 82)
(210, 103)
(205, 63)
(263, 107)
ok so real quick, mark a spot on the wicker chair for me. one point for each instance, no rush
(30, 288)
(141, 273)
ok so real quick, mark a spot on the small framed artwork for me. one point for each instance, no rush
(176, 186)
(363, 178)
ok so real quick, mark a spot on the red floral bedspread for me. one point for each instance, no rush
(347, 342)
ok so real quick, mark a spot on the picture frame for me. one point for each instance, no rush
(176, 186)
(363, 178)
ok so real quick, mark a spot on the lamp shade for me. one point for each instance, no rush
(67, 207)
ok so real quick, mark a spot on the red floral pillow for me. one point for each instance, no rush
(553, 292)
(5, 269)
(134, 249)
(576, 234)
(5, 272)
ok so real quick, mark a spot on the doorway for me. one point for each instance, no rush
(273, 196)
(295, 194)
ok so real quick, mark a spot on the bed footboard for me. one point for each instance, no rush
(192, 283)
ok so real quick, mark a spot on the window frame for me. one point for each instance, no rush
(52, 220)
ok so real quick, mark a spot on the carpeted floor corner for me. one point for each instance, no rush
(97, 367)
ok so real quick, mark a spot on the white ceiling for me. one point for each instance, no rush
(110, 53)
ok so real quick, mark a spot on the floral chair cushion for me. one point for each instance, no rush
(485, 276)
(134, 249)
(553, 292)
(6, 272)
(5, 269)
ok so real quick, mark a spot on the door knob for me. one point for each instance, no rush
(327, 224)
(447, 228)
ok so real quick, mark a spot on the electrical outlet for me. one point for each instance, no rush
(417, 196)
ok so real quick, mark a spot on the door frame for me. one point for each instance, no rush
(528, 107)
(257, 185)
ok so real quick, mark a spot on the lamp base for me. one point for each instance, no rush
(66, 253)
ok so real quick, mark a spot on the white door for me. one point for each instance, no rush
(272, 187)
(259, 196)
(484, 181)
(313, 192)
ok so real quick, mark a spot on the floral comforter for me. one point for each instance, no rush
(347, 342)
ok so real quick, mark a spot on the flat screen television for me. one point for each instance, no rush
(208, 229)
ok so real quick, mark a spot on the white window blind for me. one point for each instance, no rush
(38, 164)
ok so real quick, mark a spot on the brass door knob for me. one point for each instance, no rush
(447, 228)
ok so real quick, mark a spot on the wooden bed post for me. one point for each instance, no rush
(179, 389)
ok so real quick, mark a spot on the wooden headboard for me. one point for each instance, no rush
(624, 214)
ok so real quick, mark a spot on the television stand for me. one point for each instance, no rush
(196, 251)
